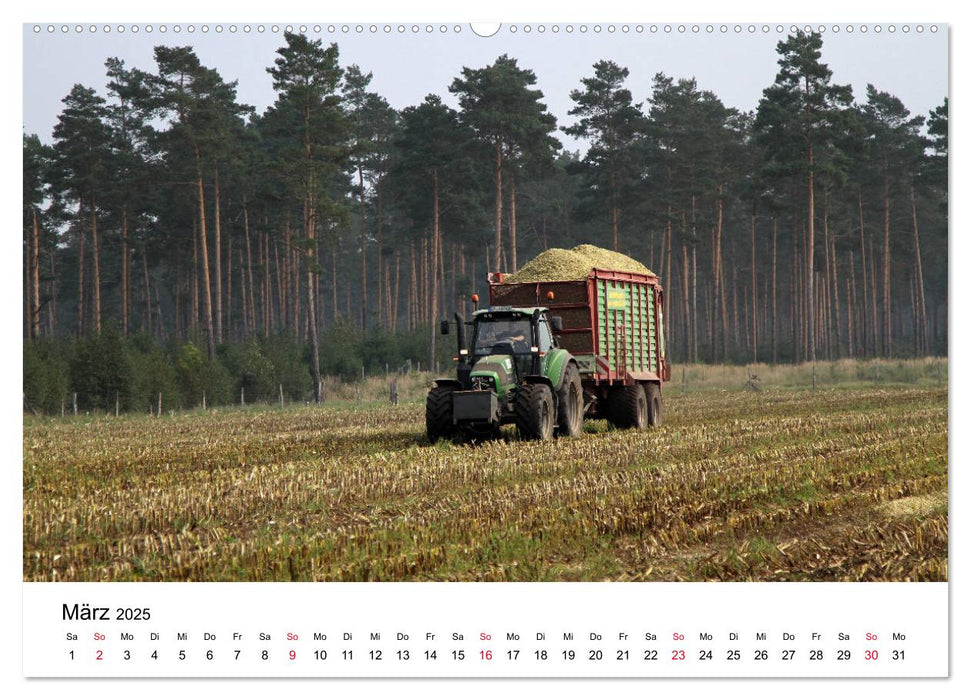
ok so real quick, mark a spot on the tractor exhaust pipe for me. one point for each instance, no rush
(460, 336)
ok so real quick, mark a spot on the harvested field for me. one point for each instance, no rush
(837, 485)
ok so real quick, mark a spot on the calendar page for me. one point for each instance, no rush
(420, 348)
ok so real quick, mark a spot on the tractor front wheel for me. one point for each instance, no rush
(438, 414)
(534, 412)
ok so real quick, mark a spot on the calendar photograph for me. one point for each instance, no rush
(534, 302)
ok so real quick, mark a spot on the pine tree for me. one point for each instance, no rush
(499, 104)
(615, 127)
(797, 120)
(313, 130)
(82, 142)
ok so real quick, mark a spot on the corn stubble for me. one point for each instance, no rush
(841, 485)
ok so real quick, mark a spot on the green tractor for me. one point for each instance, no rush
(513, 371)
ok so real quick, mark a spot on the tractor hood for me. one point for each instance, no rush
(500, 368)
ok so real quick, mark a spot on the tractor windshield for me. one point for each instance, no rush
(489, 334)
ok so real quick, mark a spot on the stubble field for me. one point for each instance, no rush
(837, 484)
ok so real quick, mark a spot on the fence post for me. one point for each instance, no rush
(62, 406)
(878, 370)
(394, 391)
(242, 396)
(814, 376)
(160, 404)
(203, 401)
(74, 402)
(684, 382)
(116, 404)
(281, 395)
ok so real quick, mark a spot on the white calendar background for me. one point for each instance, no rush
(484, 630)
(920, 611)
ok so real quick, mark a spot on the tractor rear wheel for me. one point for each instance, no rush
(569, 410)
(438, 414)
(534, 412)
(628, 407)
(654, 411)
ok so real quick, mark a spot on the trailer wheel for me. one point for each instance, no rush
(569, 413)
(534, 412)
(438, 414)
(628, 407)
(654, 411)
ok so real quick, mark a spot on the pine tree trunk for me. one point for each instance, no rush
(96, 269)
(270, 322)
(826, 311)
(921, 326)
(887, 318)
(512, 221)
(775, 290)
(397, 282)
(309, 231)
(35, 274)
(81, 300)
(810, 265)
(244, 295)
(755, 304)
(867, 331)
(720, 294)
(217, 244)
(795, 294)
(384, 312)
(850, 311)
(125, 271)
(204, 253)
(148, 291)
(251, 326)
(333, 282)
(435, 245)
(685, 309)
(694, 303)
(836, 300)
(360, 179)
(51, 304)
(877, 334)
(196, 312)
(229, 285)
(670, 274)
(28, 328)
(497, 261)
(857, 340)
(412, 288)
(279, 284)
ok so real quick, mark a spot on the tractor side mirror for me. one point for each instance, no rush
(444, 327)
(557, 323)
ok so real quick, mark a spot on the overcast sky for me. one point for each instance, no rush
(407, 65)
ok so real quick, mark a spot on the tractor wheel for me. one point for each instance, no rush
(438, 414)
(569, 412)
(628, 407)
(534, 412)
(654, 411)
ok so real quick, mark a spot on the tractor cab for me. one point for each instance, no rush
(505, 343)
